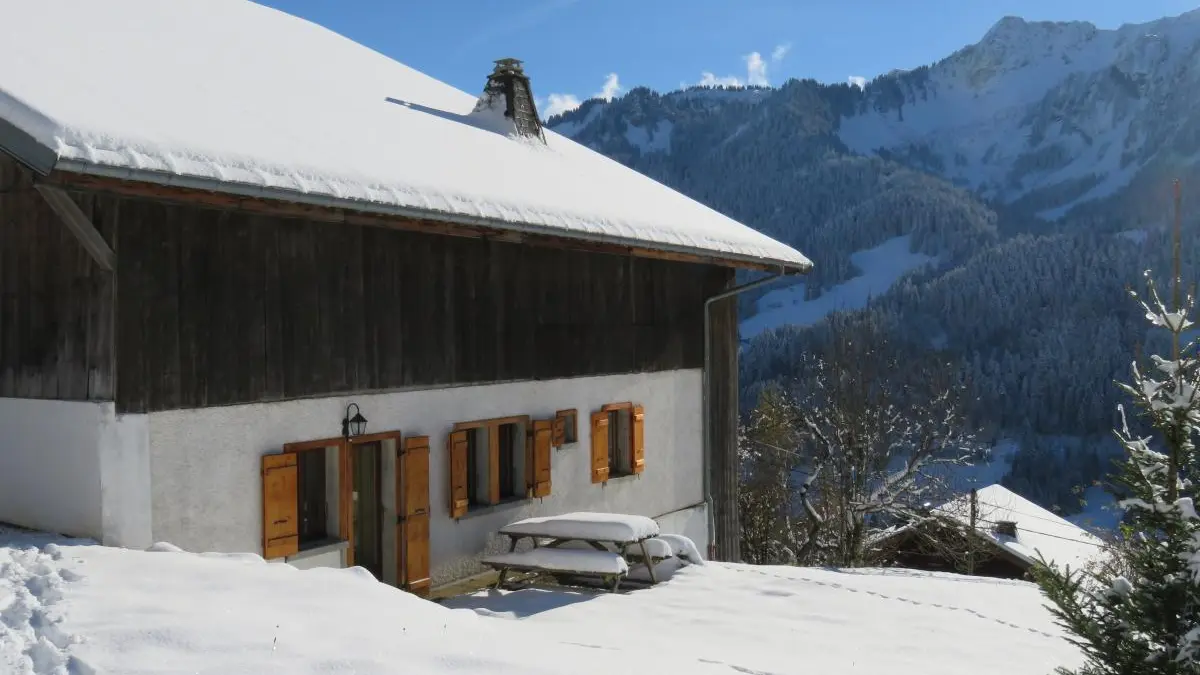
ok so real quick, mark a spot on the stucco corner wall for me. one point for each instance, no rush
(205, 463)
(50, 466)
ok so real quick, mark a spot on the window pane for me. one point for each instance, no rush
(507, 460)
(310, 466)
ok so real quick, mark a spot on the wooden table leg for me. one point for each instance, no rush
(648, 561)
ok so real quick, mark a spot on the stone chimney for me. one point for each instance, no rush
(1007, 528)
(508, 91)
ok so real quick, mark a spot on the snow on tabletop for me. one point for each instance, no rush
(614, 527)
(316, 114)
(802, 621)
(1040, 533)
(563, 560)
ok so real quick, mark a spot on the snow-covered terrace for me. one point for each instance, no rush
(74, 607)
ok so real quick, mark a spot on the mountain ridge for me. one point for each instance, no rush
(1029, 175)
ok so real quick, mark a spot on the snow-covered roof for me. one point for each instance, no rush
(230, 95)
(1040, 533)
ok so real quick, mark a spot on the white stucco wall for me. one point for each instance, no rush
(204, 463)
(75, 468)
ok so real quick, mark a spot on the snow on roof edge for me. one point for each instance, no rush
(786, 267)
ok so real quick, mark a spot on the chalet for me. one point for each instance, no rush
(265, 289)
(1010, 535)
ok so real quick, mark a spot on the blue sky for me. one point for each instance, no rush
(575, 49)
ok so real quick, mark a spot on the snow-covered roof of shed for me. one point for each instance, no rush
(230, 95)
(1040, 533)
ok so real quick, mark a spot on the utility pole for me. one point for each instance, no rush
(971, 532)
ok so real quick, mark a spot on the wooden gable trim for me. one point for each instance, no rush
(287, 209)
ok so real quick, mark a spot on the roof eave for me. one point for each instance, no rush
(736, 260)
(26, 149)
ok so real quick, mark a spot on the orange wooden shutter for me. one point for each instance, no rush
(543, 432)
(639, 444)
(281, 518)
(560, 431)
(599, 447)
(459, 499)
(413, 495)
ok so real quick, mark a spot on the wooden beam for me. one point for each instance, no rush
(79, 225)
(285, 209)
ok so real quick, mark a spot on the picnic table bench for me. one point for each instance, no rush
(580, 544)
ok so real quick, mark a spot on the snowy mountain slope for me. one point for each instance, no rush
(72, 607)
(880, 267)
(1063, 110)
(1020, 164)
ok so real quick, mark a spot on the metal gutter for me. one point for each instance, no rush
(705, 395)
(26, 149)
(295, 196)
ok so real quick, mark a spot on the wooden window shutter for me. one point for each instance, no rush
(543, 437)
(599, 447)
(559, 433)
(413, 494)
(638, 454)
(459, 499)
(280, 498)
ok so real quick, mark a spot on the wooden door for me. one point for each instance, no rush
(412, 505)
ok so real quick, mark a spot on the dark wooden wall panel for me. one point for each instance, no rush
(722, 431)
(56, 304)
(223, 307)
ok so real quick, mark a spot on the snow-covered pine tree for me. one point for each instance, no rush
(1142, 615)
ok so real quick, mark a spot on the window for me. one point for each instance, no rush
(491, 463)
(619, 442)
(301, 497)
(565, 427)
(618, 448)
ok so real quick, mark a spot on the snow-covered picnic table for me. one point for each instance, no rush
(580, 544)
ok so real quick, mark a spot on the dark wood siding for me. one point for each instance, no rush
(723, 428)
(56, 328)
(221, 307)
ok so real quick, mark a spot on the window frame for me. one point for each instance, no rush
(521, 449)
(345, 487)
(568, 420)
(621, 412)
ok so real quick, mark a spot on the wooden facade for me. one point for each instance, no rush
(56, 303)
(219, 307)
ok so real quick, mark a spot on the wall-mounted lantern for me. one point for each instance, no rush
(353, 426)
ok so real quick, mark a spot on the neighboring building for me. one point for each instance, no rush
(1011, 535)
(225, 230)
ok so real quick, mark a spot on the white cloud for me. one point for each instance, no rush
(756, 70)
(612, 87)
(558, 103)
(707, 79)
(857, 81)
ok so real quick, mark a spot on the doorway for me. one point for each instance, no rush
(367, 498)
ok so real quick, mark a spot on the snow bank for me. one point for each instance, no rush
(78, 608)
(780, 620)
(231, 91)
(74, 607)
